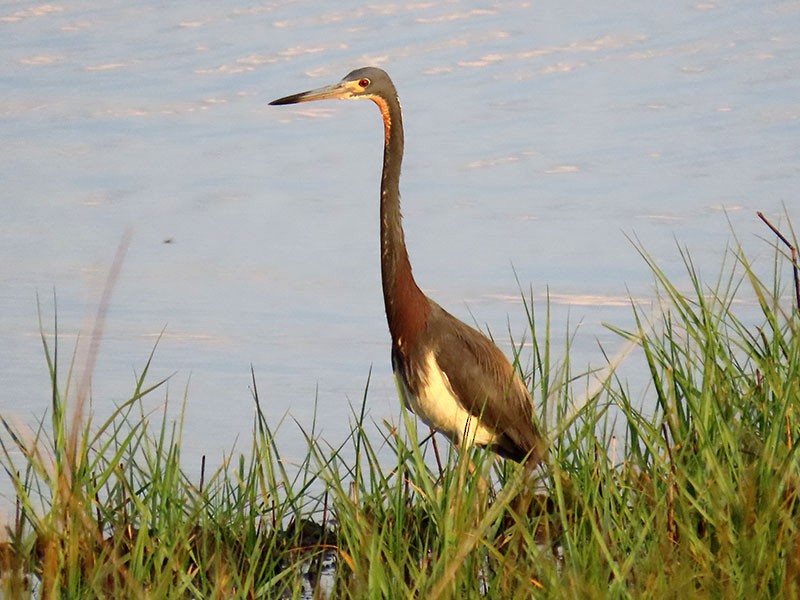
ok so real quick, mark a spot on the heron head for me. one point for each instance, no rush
(366, 82)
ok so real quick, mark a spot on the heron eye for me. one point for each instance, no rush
(363, 83)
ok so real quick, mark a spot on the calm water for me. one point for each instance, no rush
(539, 136)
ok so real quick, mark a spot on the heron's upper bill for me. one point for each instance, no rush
(341, 90)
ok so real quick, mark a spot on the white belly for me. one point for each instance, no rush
(437, 406)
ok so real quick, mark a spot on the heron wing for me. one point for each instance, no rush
(485, 383)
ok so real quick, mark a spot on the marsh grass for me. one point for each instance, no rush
(703, 501)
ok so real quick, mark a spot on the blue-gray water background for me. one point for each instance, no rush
(540, 136)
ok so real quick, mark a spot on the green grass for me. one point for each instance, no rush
(703, 501)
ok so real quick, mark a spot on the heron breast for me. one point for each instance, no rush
(435, 403)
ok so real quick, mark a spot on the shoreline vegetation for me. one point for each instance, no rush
(696, 496)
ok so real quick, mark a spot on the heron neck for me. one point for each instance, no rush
(406, 306)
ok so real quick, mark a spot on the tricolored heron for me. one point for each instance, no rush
(452, 376)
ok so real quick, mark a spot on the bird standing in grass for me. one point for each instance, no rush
(449, 374)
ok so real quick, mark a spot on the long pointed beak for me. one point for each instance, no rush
(337, 90)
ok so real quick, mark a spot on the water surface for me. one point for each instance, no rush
(540, 136)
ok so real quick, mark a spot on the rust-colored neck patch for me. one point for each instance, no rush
(387, 119)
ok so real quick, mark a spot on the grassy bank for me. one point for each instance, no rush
(697, 496)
